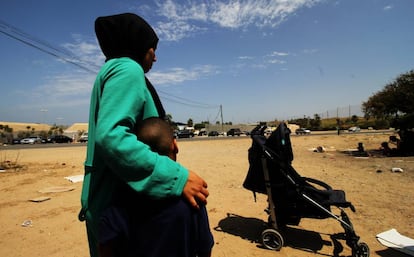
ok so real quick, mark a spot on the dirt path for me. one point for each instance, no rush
(383, 199)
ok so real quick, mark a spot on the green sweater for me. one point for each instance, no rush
(119, 100)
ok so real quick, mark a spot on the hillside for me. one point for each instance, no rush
(20, 126)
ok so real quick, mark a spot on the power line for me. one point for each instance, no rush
(187, 102)
(45, 47)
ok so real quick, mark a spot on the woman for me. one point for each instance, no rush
(121, 98)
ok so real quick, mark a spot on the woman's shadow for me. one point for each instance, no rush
(251, 229)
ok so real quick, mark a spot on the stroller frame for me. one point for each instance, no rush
(272, 237)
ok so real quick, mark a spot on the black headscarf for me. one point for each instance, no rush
(128, 35)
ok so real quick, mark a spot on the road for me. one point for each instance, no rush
(314, 133)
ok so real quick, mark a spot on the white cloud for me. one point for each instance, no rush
(66, 95)
(264, 61)
(246, 57)
(181, 19)
(275, 53)
(85, 52)
(177, 30)
(310, 51)
(68, 85)
(193, 10)
(259, 66)
(388, 7)
(273, 57)
(72, 87)
(276, 61)
(178, 75)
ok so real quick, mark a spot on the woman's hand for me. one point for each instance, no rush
(195, 190)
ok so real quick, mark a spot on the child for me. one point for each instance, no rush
(155, 228)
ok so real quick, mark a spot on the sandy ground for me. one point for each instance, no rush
(383, 200)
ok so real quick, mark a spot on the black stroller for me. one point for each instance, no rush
(290, 196)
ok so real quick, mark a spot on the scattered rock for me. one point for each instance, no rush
(396, 169)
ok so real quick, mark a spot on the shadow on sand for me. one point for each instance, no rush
(305, 240)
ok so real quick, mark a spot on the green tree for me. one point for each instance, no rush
(190, 122)
(168, 118)
(199, 126)
(394, 101)
(354, 119)
(316, 122)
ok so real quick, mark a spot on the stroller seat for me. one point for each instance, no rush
(327, 196)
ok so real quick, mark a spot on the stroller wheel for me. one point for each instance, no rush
(362, 250)
(272, 239)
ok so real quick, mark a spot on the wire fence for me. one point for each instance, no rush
(339, 112)
(343, 112)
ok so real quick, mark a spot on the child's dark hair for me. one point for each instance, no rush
(157, 133)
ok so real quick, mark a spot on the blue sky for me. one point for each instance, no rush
(260, 60)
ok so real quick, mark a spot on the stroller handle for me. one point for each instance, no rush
(259, 139)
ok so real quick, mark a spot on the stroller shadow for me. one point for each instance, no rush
(251, 229)
(246, 228)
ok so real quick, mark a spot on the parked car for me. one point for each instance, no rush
(185, 133)
(354, 129)
(234, 132)
(84, 137)
(302, 131)
(213, 133)
(31, 140)
(203, 132)
(59, 139)
(16, 141)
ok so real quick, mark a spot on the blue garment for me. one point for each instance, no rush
(156, 229)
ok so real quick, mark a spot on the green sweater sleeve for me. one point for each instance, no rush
(124, 101)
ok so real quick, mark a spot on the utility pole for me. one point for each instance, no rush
(221, 113)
